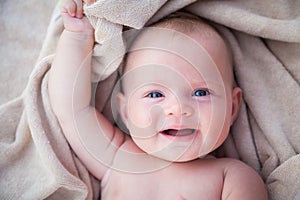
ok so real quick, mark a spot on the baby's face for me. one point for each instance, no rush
(177, 101)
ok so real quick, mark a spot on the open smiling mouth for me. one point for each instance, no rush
(179, 133)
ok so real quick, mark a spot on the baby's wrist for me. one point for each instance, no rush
(85, 36)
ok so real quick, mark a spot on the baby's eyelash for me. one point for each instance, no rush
(154, 94)
(201, 92)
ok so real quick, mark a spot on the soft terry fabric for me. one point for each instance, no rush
(36, 161)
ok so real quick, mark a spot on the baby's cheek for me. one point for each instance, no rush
(215, 122)
(203, 117)
(158, 117)
(144, 121)
(143, 116)
(139, 116)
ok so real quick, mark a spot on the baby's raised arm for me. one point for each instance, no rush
(70, 93)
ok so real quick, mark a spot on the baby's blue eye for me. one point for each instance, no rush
(155, 95)
(201, 93)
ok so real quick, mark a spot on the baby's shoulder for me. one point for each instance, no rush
(231, 166)
(239, 175)
(240, 181)
(220, 163)
(225, 167)
(228, 163)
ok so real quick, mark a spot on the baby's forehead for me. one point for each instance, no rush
(168, 47)
(202, 33)
(190, 46)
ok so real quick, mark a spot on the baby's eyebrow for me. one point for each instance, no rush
(201, 81)
(198, 81)
(206, 83)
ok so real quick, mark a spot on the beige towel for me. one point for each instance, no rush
(36, 161)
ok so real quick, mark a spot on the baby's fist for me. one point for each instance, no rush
(73, 7)
(72, 14)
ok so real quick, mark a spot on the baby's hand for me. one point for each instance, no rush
(73, 18)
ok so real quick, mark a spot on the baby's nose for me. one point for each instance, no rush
(178, 109)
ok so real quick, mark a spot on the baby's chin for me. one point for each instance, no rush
(185, 157)
(172, 152)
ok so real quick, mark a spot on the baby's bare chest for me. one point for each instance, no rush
(169, 183)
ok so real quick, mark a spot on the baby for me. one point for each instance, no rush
(178, 101)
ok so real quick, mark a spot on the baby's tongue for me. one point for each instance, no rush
(181, 132)
(172, 132)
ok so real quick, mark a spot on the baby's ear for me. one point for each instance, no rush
(122, 108)
(237, 95)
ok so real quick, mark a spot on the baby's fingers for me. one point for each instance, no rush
(69, 7)
(73, 8)
(79, 8)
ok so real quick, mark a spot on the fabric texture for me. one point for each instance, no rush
(36, 161)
